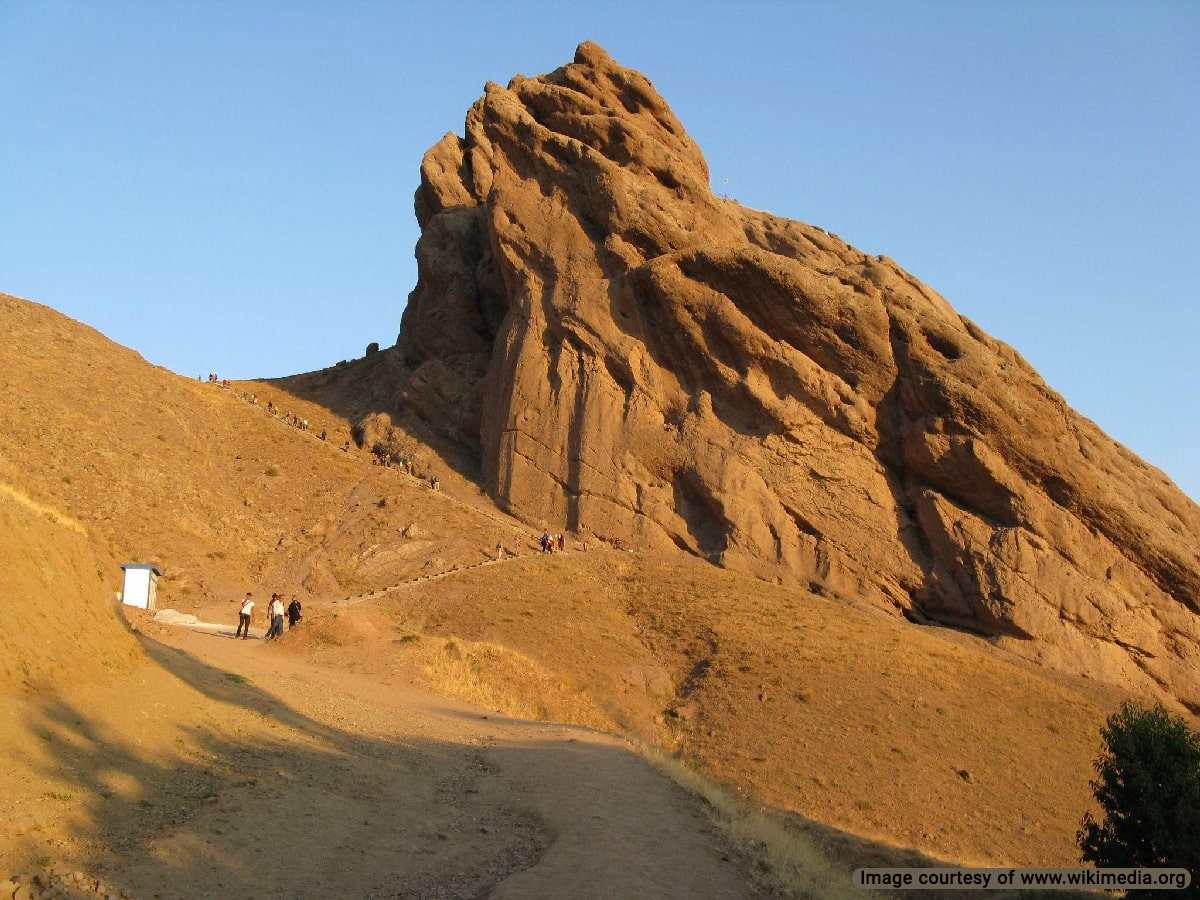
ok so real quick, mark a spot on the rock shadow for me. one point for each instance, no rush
(356, 389)
(315, 811)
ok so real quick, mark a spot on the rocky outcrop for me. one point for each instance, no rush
(629, 355)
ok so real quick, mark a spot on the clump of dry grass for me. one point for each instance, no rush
(495, 677)
(786, 861)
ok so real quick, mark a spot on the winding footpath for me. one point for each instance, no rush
(426, 797)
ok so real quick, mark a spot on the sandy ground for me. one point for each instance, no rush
(347, 787)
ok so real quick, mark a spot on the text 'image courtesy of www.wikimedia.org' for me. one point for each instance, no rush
(1008, 879)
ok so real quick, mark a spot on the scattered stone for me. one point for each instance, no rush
(58, 882)
(27, 825)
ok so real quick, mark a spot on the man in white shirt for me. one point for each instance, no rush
(276, 611)
(244, 614)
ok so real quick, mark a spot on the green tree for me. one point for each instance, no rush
(1148, 783)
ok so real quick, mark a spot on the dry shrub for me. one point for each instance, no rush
(498, 678)
(326, 633)
(337, 628)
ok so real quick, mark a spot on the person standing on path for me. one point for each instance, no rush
(276, 610)
(244, 615)
(294, 611)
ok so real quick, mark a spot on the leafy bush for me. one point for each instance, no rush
(1148, 783)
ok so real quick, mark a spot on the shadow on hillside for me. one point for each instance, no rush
(312, 812)
(316, 811)
(355, 389)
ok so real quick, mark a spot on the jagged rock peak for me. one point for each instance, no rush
(629, 355)
(587, 113)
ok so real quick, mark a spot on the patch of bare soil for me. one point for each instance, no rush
(228, 768)
(911, 737)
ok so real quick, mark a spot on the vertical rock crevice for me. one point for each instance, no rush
(630, 355)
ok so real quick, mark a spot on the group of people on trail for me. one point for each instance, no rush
(379, 455)
(275, 614)
(298, 422)
(551, 542)
(382, 457)
(288, 418)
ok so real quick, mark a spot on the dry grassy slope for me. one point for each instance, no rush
(106, 459)
(224, 497)
(839, 714)
(842, 715)
(868, 724)
(57, 623)
(538, 636)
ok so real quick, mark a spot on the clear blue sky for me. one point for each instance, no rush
(227, 186)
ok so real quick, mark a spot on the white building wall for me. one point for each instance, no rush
(140, 589)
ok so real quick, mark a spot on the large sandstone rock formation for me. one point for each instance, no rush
(630, 355)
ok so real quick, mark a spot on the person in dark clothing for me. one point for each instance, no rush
(294, 611)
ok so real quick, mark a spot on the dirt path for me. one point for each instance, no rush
(371, 789)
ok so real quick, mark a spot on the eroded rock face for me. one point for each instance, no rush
(632, 356)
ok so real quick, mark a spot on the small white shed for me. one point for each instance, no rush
(141, 585)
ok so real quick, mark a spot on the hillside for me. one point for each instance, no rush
(861, 732)
(155, 760)
(907, 736)
(618, 351)
(54, 575)
(219, 493)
